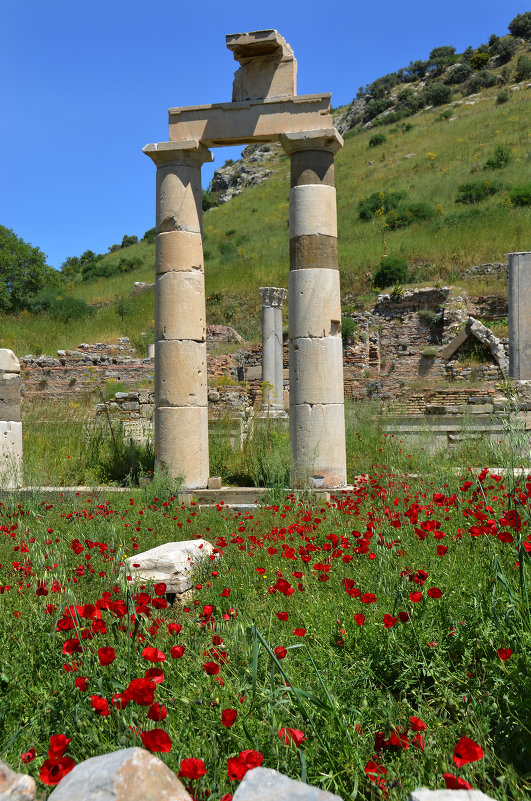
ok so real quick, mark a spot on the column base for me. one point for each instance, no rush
(317, 436)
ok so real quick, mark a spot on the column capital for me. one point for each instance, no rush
(189, 152)
(273, 295)
(328, 139)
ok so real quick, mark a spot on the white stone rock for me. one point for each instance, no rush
(424, 794)
(15, 786)
(8, 361)
(172, 563)
(265, 784)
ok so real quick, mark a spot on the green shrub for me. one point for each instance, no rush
(348, 328)
(437, 94)
(461, 218)
(459, 73)
(68, 309)
(127, 241)
(474, 191)
(391, 270)
(521, 195)
(505, 49)
(150, 235)
(482, 80)
(521, 25)
(445, 115)
(523, 68)
(502, 97)
(43, 299)
(209, 200)
(407, 215)
(377, 139)
(503, 156)
(479, 60)
(378, 200)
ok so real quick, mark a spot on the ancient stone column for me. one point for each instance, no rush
(181, 406)
(520, 316)
(317, 422)
(10, 421)
(272, 351)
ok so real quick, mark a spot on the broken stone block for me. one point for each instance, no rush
(268, 66)
(131, 774)
(8, 361)
(15, 786)
(172, 563)
(423, 794)
(265, 784)
(214, 482)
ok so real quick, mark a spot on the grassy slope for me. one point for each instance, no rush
(253, 226)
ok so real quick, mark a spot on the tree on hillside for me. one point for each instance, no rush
(23, 271)
(521, 25)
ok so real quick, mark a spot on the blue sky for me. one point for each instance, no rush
(86, 83)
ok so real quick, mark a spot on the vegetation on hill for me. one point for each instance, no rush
(443, 189)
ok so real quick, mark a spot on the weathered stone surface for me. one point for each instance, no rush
(180, 373)
(520, 316)
(316, 374)
(181, 443)
(10, 454)
(265, 784)
(318, 138)
(423, 794)
(131, 774)
(8, 361)
(15, 786)
(178, 199)
(313, 251)
(180, 306)
(250, 121)
(312, 167)
(10, 397)
(268, 66)
(173, 563)
(315, 309)
(317, 437)
(178, 250)
(312, 210)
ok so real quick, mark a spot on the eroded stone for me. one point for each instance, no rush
(15, 786)
(265, 784)
(172, 563)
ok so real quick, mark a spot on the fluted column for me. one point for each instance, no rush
(181, 405)
(317, 422)
(272, 350)
(520, 316)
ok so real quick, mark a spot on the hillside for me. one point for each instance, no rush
(425, 157)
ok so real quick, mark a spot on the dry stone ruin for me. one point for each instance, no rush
(264, 108)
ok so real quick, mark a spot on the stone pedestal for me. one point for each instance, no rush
(520, 316)
(272, 349)
(181, 406)
(317, 422)
(10, 421)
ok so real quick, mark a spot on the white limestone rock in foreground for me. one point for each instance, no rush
(265, 784)
(173, 563)
(130, 774)
(423, 794)
(15, 786)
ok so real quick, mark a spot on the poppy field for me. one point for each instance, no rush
(369, 645)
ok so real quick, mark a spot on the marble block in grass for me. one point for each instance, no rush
(173, 564)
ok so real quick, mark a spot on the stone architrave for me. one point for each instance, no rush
(272, 347)
(10, 421)
(181, 405)
(317, 423)
(520, 316)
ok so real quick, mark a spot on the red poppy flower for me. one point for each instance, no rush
(174, 628)
(192, 768)
(368, 598)
(119, 701)
(141, 691)
(434, 592)
(153, 655)
(82, 683)
(154, 674)
(238, 766)
(294, 736)
(156, 740)
(226, 797)
(441, 550)
(280, 652)
(389, 621)
(211, 668)
(299, 632)
(228, 717)
(467, 751)
(28, 756)
(72, 646)
(160, 588)
(504, 654)
(176, 651)
(53, 770)
(58, 745)
(455, 783)
(224, 593)
(282, 615)
(100, 705)
(415, 597)
(417, 724)
(157, 711)
(106, 655)
(360, 619)
(404, 617)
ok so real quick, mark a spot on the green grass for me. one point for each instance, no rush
(246, 240)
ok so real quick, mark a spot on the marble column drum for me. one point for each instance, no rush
(317, 420)
(520, 316)
(181, 405)
(272, 347)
